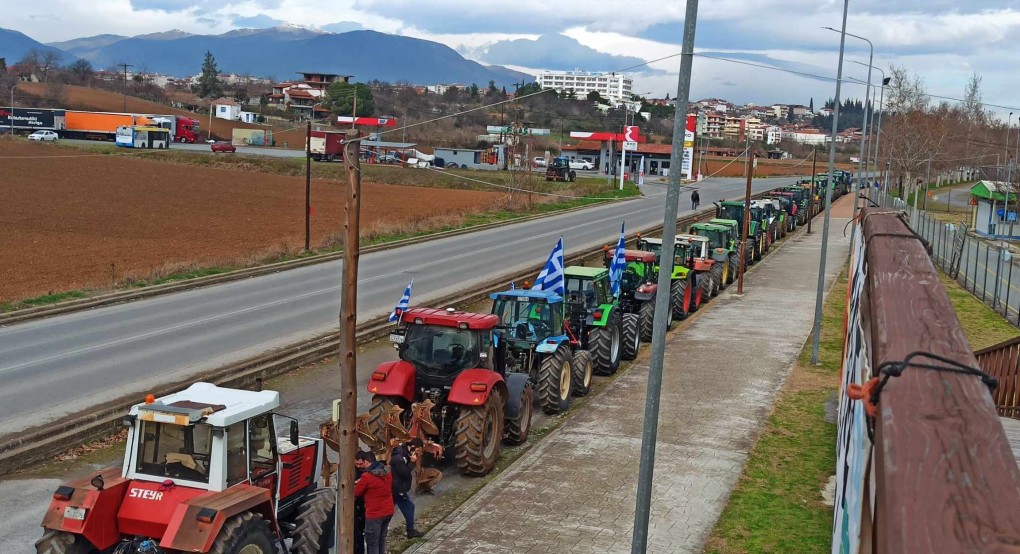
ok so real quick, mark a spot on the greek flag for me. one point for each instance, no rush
(551, 276)
(402, 305)
(619, 262)
(513, 286)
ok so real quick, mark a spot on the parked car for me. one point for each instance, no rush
(540, 162)
(223, 147)
(44, 136)
(581, 164)
(390, 158)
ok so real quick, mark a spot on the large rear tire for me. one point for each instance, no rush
(695, 283)
(677, 294)
(554, 379)
(517, 429)
(646, 315)
(604, 344)
(706, 282)
(314, 523)
(582, 368)
(717, 278)
(479, 431)
(631, 336)
(734, 259)
(245, 532)
(62, 542)
(381, 405)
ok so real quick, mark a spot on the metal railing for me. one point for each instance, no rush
(1002, 361)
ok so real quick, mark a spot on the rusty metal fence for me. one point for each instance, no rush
(1002, 361)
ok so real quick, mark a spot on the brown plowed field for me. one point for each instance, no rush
(75, 220)
(727, 167)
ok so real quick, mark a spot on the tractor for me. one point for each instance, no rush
(533, 339)
(595, 317)
(768, 215)
(684, 293)
(802, 197)
(732, 213)
(698, 258)
(788, 206)
(722, 240)
(717, 259)
(205, 470)
(446, 384)
(559, 170)
(638, 288)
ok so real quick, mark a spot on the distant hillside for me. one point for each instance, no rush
(14, 45)
(87, 46)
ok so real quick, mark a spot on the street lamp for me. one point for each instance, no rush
(878, 128)
(1006, 158)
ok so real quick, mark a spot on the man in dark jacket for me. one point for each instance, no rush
(402, 464)
(376, 487)
(359, 515)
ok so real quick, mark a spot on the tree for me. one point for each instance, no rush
(594, 96)
(209, 84)
(28, 66)
(340, 98)
(263, 103)
(492, 90)
(48, 61)
(811, 105)
(474, 90)
(81, 72)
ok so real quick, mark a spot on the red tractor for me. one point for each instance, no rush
(446, 384)
(204, 471)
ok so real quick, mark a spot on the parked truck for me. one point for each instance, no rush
(31, 119)
(327, 146)
(98, 125)
(182, 129)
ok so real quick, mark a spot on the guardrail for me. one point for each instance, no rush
(1002, 361)
(42, 442)
(923, 462)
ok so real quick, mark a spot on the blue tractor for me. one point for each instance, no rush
(536, 341)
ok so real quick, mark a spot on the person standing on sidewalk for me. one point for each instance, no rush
(359, 513)
(402, 464)
(376, 487)
(695, 199)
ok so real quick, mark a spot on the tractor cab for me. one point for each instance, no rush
(730, 210)
(528, 316)
(682, 254)
(718, 235)
(587, 288)
(700, 246)
(440, 344)
(639, 269)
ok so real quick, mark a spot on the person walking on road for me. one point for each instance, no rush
(402, 464)
(376, 487)
(695, 199)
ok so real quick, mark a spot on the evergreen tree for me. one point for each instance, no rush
(811, 105)
(340, 98)
(209, 85)
(474, 90)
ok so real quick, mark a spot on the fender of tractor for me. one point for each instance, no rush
(98, 508)
(188, 534)
(679, 272)
(720, 255)
(701, 264)
(550, 344)
(472, 387)
(600, 317)
(393, 379)
(645, 292)
(515, 383)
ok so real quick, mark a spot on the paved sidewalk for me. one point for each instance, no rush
(575, 491)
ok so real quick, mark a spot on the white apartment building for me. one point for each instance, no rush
(613, 87)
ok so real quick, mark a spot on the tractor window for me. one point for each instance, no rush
(527, 319)
(633, 276)
(178, 451)
(237, 454)
(602, 287)
(583, 290)
(262, 445)
(441, 350)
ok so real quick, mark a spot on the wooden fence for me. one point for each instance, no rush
(1002, 361)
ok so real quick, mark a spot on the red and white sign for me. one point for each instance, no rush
(373, 121)
(631, 132)
(687, 163)
(606, 137)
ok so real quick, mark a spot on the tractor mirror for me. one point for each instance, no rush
(293, 432)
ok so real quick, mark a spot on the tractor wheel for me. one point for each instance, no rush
(517, 429)
(760, 243)
(572, 176)
(646, 313)
(718, 279)
(706, 282)
(697, 288)
(381, 405)
(314, 523)
(62, 542)
(245, 532)
(734, 259)
(604, 343)
(679, 299)
(581, 366)
(554, 378)
(478, 432)
(631, 334)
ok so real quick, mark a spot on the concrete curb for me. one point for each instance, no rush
(99, 301)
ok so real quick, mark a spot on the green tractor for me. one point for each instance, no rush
(775, 214)
(802, 197)
(596, 319)
(723, 241)
(684, 293)
(532, 339)
(768, 217)
(732, 213)
(638, 288)
(788, 205)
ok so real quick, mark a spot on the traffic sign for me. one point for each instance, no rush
(629, 145)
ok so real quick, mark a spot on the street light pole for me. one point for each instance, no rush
(16, 85)
(819, 293)
(876, 158)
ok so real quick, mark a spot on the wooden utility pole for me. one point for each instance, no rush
(811, 196)
(308, 186)
(347, 355)
(747, 226)
(125, 67)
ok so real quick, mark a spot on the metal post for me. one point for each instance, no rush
(864, 133)
(639, 545)
(347, 353)
(623, 146)
(820, 292)
(811, 198)
(927, 183)
(210, 121)
(14, 86)
(308, 186)
(746, 229)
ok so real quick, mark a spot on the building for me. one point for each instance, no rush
(780, 111)
(807, 136)
(225, 108)
(611, 86)
(304, 95)
(773, 134)
(714, 123)
(735, 127)
(990, 218)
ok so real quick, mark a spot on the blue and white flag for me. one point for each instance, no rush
(551, 276)
(402, 305)
(513, 286)
(619, 262)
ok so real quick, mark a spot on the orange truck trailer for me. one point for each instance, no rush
(98, 125)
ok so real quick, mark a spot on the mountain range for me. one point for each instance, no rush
(277, 52)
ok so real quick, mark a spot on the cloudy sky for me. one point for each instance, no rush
(943, 41)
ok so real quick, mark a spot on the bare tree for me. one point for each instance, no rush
(49, 61)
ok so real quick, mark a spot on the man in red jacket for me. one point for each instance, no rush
(376, 487)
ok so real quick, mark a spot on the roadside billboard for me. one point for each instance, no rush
(32, 118)
(687, 165)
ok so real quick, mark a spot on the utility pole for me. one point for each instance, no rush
(347, 355)
(746, 228)
(354, 112)
(820, 291)
(811, 199)
(308, 187)
(210, 119)
(646, 470)
(125, 66)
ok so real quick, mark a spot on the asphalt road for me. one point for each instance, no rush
(57, 366)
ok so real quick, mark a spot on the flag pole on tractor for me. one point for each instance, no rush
(402, 305)
(348, 361)
(639, 544)
(618, 263)
(551, 277)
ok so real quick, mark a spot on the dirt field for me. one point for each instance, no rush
(766, 168)
(76, 221)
